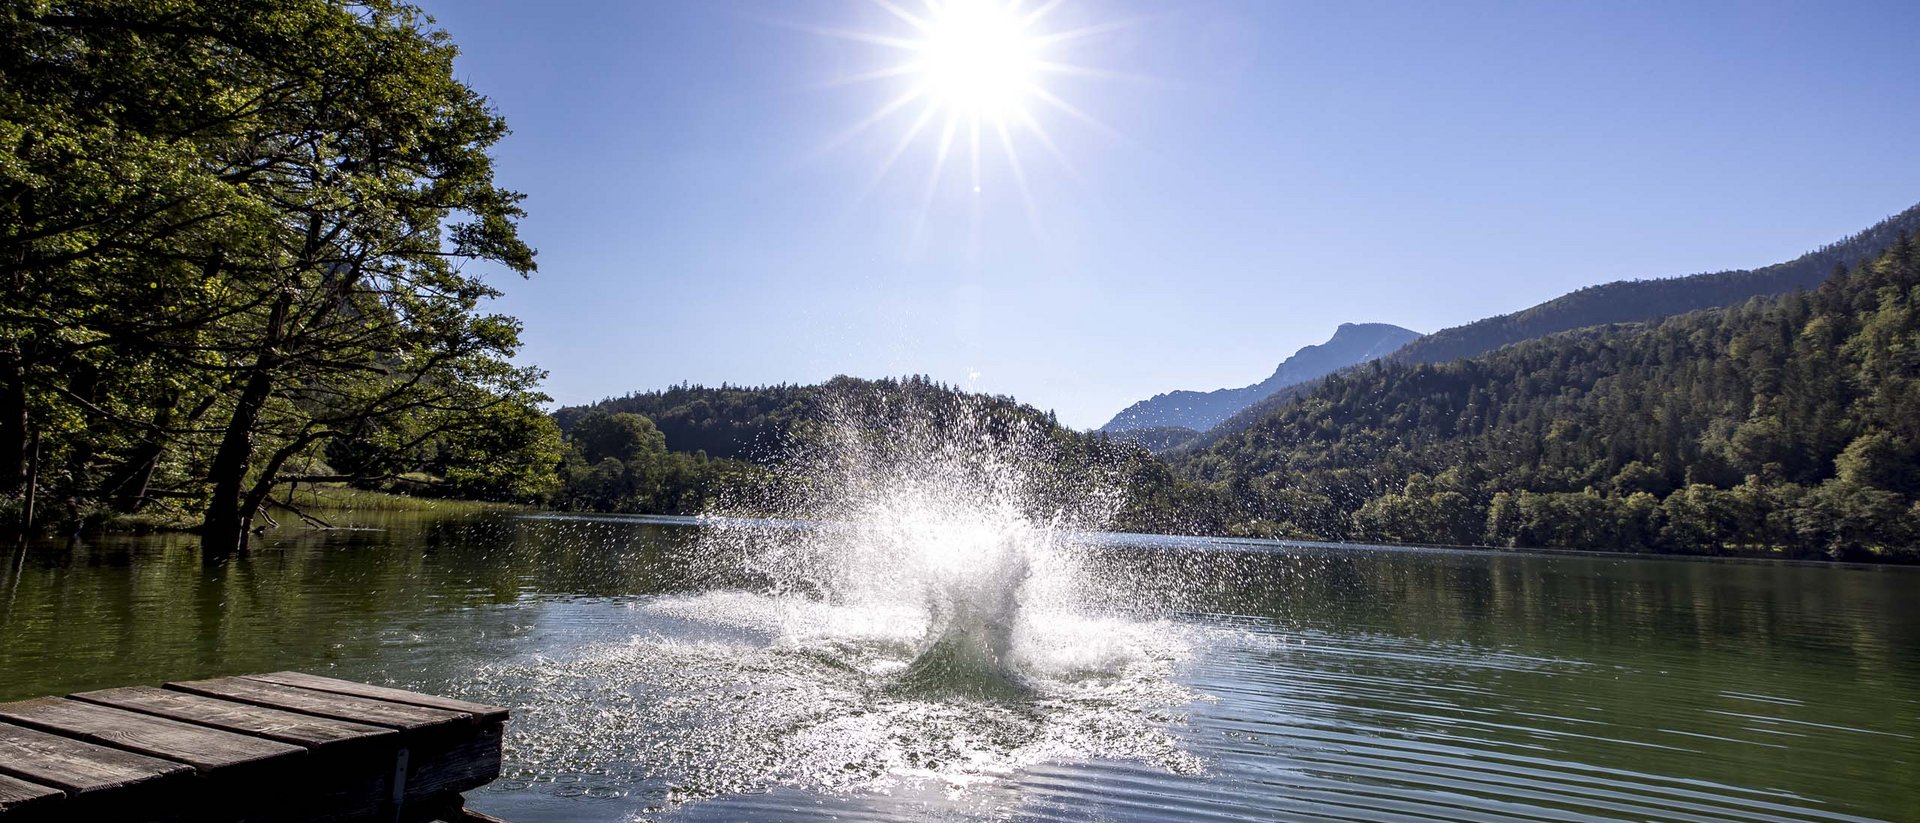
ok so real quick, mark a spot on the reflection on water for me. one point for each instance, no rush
(1288, 682)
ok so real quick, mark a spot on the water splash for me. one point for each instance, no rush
(950, 512)
(911, 597)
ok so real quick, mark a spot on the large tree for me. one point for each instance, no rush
(236, 234)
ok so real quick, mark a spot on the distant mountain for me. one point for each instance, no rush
(1352, 343)
(1787, 424)
(1625, 301)
(1635, 301)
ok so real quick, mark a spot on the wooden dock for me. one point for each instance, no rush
(284, 746)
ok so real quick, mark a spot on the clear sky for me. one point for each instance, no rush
(1226, 181)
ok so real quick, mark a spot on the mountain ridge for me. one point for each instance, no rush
(1351, 344)
(1621, 301)
(1786, 425)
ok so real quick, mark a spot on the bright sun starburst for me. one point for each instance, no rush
(977, 58)
(972, 72)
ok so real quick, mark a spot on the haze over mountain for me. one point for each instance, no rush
(1351, 344)
(1624, 301)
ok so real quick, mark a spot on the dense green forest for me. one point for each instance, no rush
(1626, 301)
(681, 450)
(234, 239)
(727, 421)
(1635, 301)
(1788, 424)
(1156, 439)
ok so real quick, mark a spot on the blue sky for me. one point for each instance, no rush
(1246, 176)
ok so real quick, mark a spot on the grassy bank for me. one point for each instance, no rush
(339, 498)
(324, 502)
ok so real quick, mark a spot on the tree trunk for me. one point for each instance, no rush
(32, 483)
(228, 518)
(126, 490)
(13, 421)
(227, 522)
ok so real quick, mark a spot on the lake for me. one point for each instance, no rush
(1240, 680)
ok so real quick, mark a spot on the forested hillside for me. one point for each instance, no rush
(724, 421)
(1631, 301)
(1351, 344)
(680, 450)
(1626, 301)
(1787, 424)
(1156, 439)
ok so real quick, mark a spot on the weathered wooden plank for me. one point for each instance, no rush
(484, 713)
(20, 799)
(270, 748)
(325, 704)
(78, 767)
(274, 724)
(448, 764)
(207, 750)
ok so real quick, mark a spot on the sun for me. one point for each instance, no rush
(971, 78)
(977, 58)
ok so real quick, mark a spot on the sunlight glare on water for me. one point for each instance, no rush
(938, 623)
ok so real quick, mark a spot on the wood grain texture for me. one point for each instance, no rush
(206, 750)
(324, 704)
(304, 730)
(449, 764)
(481, 712)
(17, 795)
(78, 767)
(245, 750)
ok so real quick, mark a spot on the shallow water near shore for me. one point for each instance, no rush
(1198, 681)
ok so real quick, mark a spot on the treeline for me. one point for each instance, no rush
(232, 237)
(1632, 301)
(681, 450)
(725, 421)
(1626, 301)
(1787, 425)
(619, 462)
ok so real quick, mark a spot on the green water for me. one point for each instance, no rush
(1278, 682)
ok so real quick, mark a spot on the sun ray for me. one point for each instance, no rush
(883, 73)
(933, 179)
(974, 142)
(1046, 140)
(1073, 70)
(903, 14)
(906, 141)
(901, 43)
(905, 99)
(1019, 176)
(973, 204)
(1069, 35)
(1054, 100)
(1032, 17)
(980, 66)
(940, 157)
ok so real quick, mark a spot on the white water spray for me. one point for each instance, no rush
(956, 516)
(912, 597)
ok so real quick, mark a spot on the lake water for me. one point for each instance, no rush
(1242, 681)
